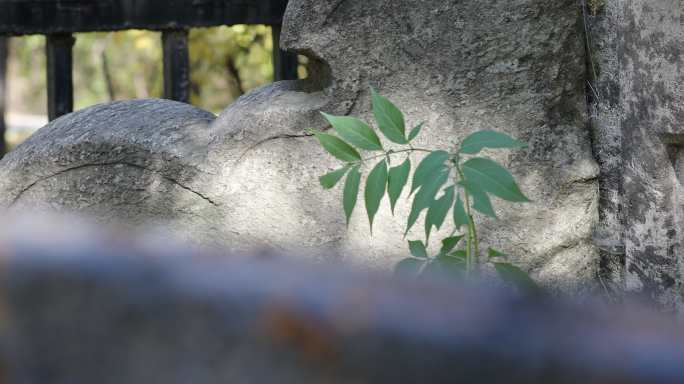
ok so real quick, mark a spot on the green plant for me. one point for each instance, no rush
(458, 182)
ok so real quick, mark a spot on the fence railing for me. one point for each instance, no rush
(58, 20)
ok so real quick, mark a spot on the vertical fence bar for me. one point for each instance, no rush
(60, 74)
(284, 64)
(176, 65)
(4, 53)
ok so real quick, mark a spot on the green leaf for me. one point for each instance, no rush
(351, 191)
(429, 166)
(438, 211)
(331, 179)
(493, 253)
(426, 195)
(460, 214)
(460, 254)
(390, 119)
(491, 177)
(337, 147)
(375, 189)
(517, 277)
(449, 244)
(415, 131)
(474, 143)
(418, 249)
(446, 267)
(481, 201)
(408, 267)
(355, 132)
(398, 176)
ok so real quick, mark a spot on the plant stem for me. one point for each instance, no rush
(473, 232)
(469, 239)
(390, 153)
(472, 256)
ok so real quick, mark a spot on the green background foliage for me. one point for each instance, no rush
(225, 62)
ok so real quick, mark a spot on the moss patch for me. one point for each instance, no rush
(596, 6)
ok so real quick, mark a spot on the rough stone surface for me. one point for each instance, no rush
(249, 176)
(640, 119)
(602, 23)
(81, 306)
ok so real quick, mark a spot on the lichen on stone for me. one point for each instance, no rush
(595, 6)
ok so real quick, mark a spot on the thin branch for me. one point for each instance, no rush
(390, 153)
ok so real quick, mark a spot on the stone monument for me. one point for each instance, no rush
(249, 177)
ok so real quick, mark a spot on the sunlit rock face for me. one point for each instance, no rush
(250, 176)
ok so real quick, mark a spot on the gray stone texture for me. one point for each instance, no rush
(602, 22)
(636, 47)
(249, 176)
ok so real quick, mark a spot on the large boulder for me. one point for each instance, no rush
(249, 176)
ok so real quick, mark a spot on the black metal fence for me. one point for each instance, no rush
(58, 20)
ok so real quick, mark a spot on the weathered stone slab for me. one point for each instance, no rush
(640, 69)
(81, 306)
(249, 177)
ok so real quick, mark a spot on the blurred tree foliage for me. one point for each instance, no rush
(225, 62)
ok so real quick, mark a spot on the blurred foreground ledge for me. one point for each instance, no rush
(81, 306)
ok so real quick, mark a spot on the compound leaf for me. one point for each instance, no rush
(418, 249)
(446, 267)
(491, 177)
(428, 167)
(331, 179)
(493, 253)
(415, 131)
(477, 141)
(449, 244)
(408, 267)
(398, 176)
(376, 186)
(481, 201)
(460, 254)
(337, 147)
(518, 277)
(438, 211)
(355, 131)
(351, 191)
(460, 214)
(426, 196)
(390, 119)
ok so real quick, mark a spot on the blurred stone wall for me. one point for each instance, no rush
(80, 306)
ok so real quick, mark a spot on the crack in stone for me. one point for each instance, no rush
(584, 180)
(332, 11)
(172, 180)
(266, 140)
(355, 100)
